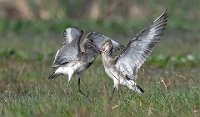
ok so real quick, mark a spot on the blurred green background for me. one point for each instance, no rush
(31, 31)
(38, 15)
(118, 19)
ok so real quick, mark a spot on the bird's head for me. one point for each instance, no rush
(95, 40)
(106, 46)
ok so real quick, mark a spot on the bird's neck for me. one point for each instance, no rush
(107, 57)
(91, 51)
(107, 53)
(90, 54)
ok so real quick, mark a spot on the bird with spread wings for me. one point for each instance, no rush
(123, 67)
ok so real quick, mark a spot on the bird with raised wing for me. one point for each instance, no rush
(71, 59)
(123, 68)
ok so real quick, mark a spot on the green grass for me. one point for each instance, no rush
(170, 78)
(26, 91)
(106, 26)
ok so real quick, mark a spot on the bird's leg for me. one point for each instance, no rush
(68, 84)
(80, 75)
(119, 92)
(79, 85)
(69, 78)
(67, 90)
(112, 94)
(79, 88)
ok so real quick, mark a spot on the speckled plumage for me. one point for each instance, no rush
(70, 59)
(123, 67)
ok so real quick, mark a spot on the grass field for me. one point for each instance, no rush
(170, 77)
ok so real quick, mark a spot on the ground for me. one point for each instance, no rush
(170, 78)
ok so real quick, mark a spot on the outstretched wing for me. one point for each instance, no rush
(70, 49)
(99, 39)
(140, 47)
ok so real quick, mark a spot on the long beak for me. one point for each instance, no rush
(96, 47)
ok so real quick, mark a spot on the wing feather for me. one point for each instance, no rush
(140, 47)
(71, 48)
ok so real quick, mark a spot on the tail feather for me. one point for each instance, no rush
(139, 89)
(53, 75)
(133, 86)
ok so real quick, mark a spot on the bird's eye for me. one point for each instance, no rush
(90, 41)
